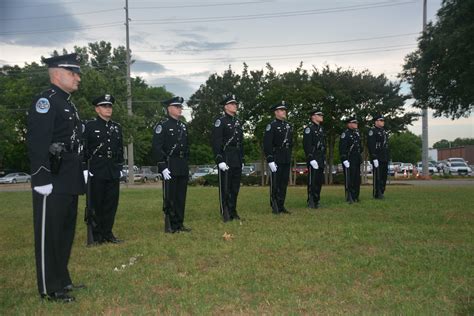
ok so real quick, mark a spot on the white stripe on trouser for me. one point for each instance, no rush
(43, 224)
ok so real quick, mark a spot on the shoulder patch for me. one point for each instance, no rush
(269, 127)
(371, 133)
(42, 105)
(307, 130)
(158, 128)
(217, 123)
(343, 135)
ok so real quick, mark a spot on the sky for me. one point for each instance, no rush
(178, 44)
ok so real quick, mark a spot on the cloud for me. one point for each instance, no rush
(24, 23)
(175, 85)
(194, 41)
(147, 66)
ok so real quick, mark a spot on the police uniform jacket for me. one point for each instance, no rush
(53, 118)
(170, 146)
(278, 142)
(350, 147)
(104, 148)
(377, 141)
(314, 143)
(227, 138)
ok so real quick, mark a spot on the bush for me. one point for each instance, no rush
(211, 180)
(251, 180)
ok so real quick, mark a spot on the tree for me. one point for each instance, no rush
(441, 71)
(405, 147)
(455, 143)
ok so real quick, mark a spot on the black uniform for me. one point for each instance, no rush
(227, 144)
(377, 141)
(53, 119)
(104, 148)
(171, 151)
(315, 149)
(277, 146)
(350, 149)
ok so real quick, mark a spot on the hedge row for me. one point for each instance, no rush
(213, 180)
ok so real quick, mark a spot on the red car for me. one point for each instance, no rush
(300, 168)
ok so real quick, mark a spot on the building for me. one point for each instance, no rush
(466, 152)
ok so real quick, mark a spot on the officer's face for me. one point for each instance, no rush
(317, 118)
(104, 111)
(175, 111)
(280, 114)
(380, 123)
(353, 125)
(68, 80)
(231, 108)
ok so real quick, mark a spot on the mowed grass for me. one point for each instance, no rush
(410, 254)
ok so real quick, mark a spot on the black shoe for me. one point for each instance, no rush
(113, 239)
(236, 216)
(185, 229)
(357, 200)
(284, 210)
(58, 297)
(72, 287)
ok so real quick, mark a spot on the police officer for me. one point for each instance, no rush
(104, 152)
(227, 145)
(53, 139)
(314, 144)
(171, 152)
(350, 150)
(377, 142)
(277, 146)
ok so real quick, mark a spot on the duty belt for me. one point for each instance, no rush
(67, 148)
(108, 154)
(179, 154)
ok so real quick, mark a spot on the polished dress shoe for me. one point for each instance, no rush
(113, 239)
(58, 297)
(72, 287)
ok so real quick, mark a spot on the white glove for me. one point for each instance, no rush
(44, 189)
(346, 163)
(166, 174)
(314, 164)
(121, 173)
(376, 163)
(86, 174)
(273, 166)
(223, 166)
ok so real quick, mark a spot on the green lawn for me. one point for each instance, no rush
(410, 254)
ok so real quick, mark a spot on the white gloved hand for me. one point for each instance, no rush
(166, 174)
(346, 163)
(121, 173)
(86, 174)
(273, 166)
(376, 163)
(44, 189)
(314, 164)
(223, 166)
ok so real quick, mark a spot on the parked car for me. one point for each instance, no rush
(396, 166)
(455, 167)
(368, 167)
(300, 168)
(124, 176)
(248, 170)
(201, 172)
(391, 169)
(431, 168)
(147, 175)
(408, 167)
(16, 177)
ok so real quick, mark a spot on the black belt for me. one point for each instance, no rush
(108, 154)
(179, 154)
(282, 146)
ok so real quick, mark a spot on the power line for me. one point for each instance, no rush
(103, 25)
(270, 15)
(201, 5)
(285, 45)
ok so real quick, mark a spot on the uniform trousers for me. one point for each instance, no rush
(174, 200)
(54, 219)
(353, 181)
(229, 186)
(105, 197)
(315, 182)
(380, 178)
(278, 186)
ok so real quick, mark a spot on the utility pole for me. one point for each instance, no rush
(131, 162)
(424, 114)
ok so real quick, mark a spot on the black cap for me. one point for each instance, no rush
(316, 112)
(69, 62)
(379, 117)
(229, 99)
(351, 119)
(279, 106)
(104, 99)
(176, 101)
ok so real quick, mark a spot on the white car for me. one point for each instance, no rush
(431, 169)
(201, 172)
(460, 168)
(16, 177)
(408, 167)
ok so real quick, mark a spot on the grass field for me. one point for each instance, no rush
(410, 254)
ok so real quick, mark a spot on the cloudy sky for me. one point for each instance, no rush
(178, 44)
